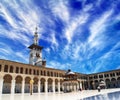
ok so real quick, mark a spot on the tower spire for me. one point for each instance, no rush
(36, 36)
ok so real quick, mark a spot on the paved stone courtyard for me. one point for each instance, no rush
(56, 96)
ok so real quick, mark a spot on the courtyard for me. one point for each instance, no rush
(80, 95)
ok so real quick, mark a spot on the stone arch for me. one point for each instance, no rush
(91, 85)
(96, 84)
(107, 81)
(35, 85)
(113, 83)
(56, 85)
(50, 85)
(42, 85)
(118, 82)
(18, 84)
(27, 84)
(61, 87)
(7, 83)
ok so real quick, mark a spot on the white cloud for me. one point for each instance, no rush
(58, 65)
(25, 21)
(22, 56)
(47, 50)
(118, 67)
(54, 40)
(73, 24)
(60, 10)
(98, 26)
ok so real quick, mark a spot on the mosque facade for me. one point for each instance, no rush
(16, 77)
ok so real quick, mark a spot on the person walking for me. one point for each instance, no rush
(98, 88)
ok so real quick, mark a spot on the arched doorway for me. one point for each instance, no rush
(61, 87)
(42, 85)
(35, 85)
(56, 85)
(7, 84)
(118, 82)
(50, 87)
(91, 85)
(27, 84)
(113, 83)
(18, 84)
(107, 81)
(96, 84)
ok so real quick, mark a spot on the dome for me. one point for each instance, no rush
(69, 72)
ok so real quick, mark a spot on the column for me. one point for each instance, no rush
(1, 85)
(80, 85)
(77, 86)
(13, 86)
(74, 87)
(46, 86)
(59, 87)
(83, 87)
(39, 86)
(23, 86)
(53, 86)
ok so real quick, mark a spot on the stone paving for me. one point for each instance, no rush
(56, 96)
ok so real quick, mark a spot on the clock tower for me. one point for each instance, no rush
(35, 57)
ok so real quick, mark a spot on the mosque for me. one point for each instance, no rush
(16, 77)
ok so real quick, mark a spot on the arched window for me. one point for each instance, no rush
(0, 67)
(44, 73)
(30, 71)
(11, 69)
(41, 72)
(34, 72)
(21, 70)
(37, 72)
(57, 74)
(17, 69)
(26, 71)
(51, 73)
(6, 68)
(48, 74)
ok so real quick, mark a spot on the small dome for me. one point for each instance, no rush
(102, 82)
(69, 72)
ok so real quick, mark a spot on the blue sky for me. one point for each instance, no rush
(83, 35)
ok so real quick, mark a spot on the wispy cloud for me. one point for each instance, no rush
(98, 26)
(62, 26)
(55, 64)
(73, 24)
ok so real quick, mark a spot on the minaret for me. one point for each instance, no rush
(35, 57)
(36, 37)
